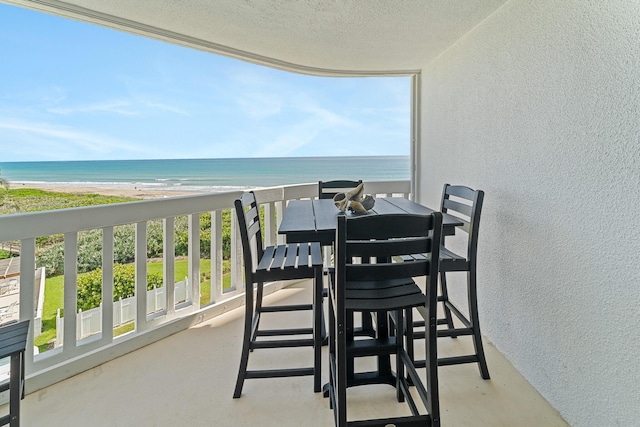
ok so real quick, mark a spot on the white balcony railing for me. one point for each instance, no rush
(76, 355)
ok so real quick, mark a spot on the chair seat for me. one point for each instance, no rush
(384, 295)
(450, 261)
(292, 261)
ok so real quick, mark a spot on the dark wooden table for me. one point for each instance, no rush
(315, 220)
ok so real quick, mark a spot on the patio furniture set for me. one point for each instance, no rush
(374, 265)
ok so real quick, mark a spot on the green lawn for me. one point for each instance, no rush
(54, 297)
(20, 200)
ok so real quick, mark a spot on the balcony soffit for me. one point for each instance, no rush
(349, 37)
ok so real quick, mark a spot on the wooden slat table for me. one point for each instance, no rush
(315, 220)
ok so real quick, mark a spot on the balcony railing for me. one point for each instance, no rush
(75, 355)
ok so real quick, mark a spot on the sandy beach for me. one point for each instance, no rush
(140, 193)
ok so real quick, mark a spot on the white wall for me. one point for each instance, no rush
(540, 107)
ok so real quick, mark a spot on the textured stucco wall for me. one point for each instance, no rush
(540, 107)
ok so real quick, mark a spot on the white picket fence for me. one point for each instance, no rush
(89, 322)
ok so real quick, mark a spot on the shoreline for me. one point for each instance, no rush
(138, 193)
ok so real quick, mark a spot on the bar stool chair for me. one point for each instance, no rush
(13, 342)
(273, 263)
(384, 287)
(465, 204)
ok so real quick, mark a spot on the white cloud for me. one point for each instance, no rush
(40, 95)
(22, 139)
(260, 105)
(299, 135)
(117, 107)
(166, 107)
(124, 108)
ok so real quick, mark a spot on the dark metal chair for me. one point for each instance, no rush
(13, 342)
(384, 287)
(466, 204)
(273, 263)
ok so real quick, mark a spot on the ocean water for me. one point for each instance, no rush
(198, 175)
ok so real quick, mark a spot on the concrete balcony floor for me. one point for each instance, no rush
(188, 380)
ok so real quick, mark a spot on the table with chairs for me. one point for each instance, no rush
(377, 258)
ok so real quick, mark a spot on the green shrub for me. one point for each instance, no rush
(50, 249)
(124, 244)
(52, 258)
(90, 285)
(89, 250)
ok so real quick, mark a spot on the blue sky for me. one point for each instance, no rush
(75, 91)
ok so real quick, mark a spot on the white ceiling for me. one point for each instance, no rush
(313, 36)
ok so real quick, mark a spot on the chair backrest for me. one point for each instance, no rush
(248, 215)
(328, 189)
(13, 343)
(13, 338)
(466, 204)
(383, 238)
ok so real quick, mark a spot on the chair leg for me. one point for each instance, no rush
(332, 353)
(399, 328)
(475, 324)
(258, 310)
(15, 379)
(338, 364)
(444, 296)
(382, 327)
(431, 364)
(367, 328)
(324, 293)
(318, 329)
(409, 341)
(247, 338)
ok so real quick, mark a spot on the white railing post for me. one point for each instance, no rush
(107, 284)
(70, 296)
(216, 256)
(168, 265)
(279, 213)
(236, 256)
(141, 276)
(194, 259)
(27, 291)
